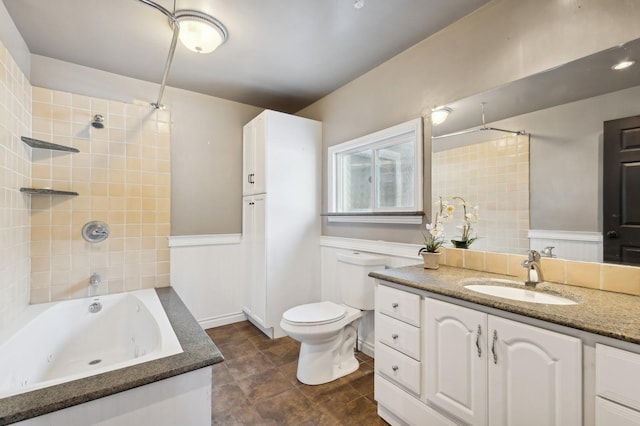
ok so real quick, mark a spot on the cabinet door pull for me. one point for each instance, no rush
(493, 347)
(394, 305)
(478, 333)
(395, 368)
(394, 336)
(251, 175)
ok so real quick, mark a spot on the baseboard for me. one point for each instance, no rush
(367, 348)
(222, 320)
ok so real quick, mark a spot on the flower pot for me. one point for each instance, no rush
(460, 244)
(431, 260)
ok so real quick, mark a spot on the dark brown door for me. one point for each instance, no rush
(621, 191)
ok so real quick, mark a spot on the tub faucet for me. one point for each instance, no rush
(534, 271)
(94, 281)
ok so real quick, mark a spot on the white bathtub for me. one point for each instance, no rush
(62, 341)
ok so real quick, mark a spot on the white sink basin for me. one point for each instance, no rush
(519, 294)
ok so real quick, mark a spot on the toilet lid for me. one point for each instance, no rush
(314, 313)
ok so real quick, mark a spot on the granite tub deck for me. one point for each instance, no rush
(609, 314)
(198, 352)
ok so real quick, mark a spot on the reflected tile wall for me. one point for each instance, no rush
(493, 175)
(15, 171)
(122, 174)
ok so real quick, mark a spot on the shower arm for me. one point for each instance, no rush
(172, 49)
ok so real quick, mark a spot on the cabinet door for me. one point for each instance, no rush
(254, 156)
(535, 376)
(248, 158)
(255, 297)
(456, 360)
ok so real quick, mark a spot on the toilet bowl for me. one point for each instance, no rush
(328, 331)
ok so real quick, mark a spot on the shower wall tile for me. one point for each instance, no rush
(494, 176)
(15, 172)
(122, 175)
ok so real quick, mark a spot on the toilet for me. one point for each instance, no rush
(328, 331)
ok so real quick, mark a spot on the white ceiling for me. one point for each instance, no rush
(281, 54)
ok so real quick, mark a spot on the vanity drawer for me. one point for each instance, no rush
(609, 413)
(618, 375)
(398, 304)
(398, 368)
(398, 335)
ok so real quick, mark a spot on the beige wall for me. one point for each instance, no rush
(122, 175)
(15, 172)
(206, 142)
(501, 42)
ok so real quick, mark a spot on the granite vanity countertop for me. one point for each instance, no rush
(600, 312)
(198, 352)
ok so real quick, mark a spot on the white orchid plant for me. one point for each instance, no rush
(470, 218)
(434, 239)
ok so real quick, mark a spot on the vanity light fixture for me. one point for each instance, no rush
(200, 32)
(623, 65)
(439, 114)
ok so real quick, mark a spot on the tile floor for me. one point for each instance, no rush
(257, 385)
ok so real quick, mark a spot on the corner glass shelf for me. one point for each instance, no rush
(46, 191)
(35, 143)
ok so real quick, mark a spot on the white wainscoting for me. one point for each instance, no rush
(396, 254)
(206, 271)
(570, 245)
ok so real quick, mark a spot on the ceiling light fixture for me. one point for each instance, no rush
(200, 32)
(439, 114)
(358, 4)
(623, 65)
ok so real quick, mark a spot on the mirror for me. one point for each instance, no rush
(562, 113)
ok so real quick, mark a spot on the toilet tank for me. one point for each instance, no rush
(356, 287)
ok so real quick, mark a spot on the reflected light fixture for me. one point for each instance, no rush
(200, 32)
(623, 65)
(439, 114)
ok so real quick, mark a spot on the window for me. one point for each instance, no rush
(378, 174)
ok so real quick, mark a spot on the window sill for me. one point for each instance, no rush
(406, 218)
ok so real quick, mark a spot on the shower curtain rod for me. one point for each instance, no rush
(172, 48)
(465, 132)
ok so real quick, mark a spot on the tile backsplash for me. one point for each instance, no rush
(15, 172)
(122, 175)
(600, 276)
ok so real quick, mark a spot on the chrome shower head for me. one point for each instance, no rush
(98, 121)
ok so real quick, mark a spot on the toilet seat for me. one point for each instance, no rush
(314, 313)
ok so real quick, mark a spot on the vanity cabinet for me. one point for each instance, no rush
(474, 368)
(617, 394)
(485, 369)
(280, 217)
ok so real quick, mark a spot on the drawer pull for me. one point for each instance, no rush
(394, 305)
(479, 332)
(493, 347)
(394, 336)
(395, 369)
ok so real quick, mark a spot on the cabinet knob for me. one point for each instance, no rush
(395, 368)
(612, 234)
(394, 305)
(394, 336)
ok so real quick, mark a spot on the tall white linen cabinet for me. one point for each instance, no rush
(280, 216)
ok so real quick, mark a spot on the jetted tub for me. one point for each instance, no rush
(63, 341)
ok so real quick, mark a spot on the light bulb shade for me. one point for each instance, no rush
(439, 114)
(200, 32)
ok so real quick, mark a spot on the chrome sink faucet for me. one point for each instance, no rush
(534, 271)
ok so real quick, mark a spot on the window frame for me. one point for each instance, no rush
(373, 142)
